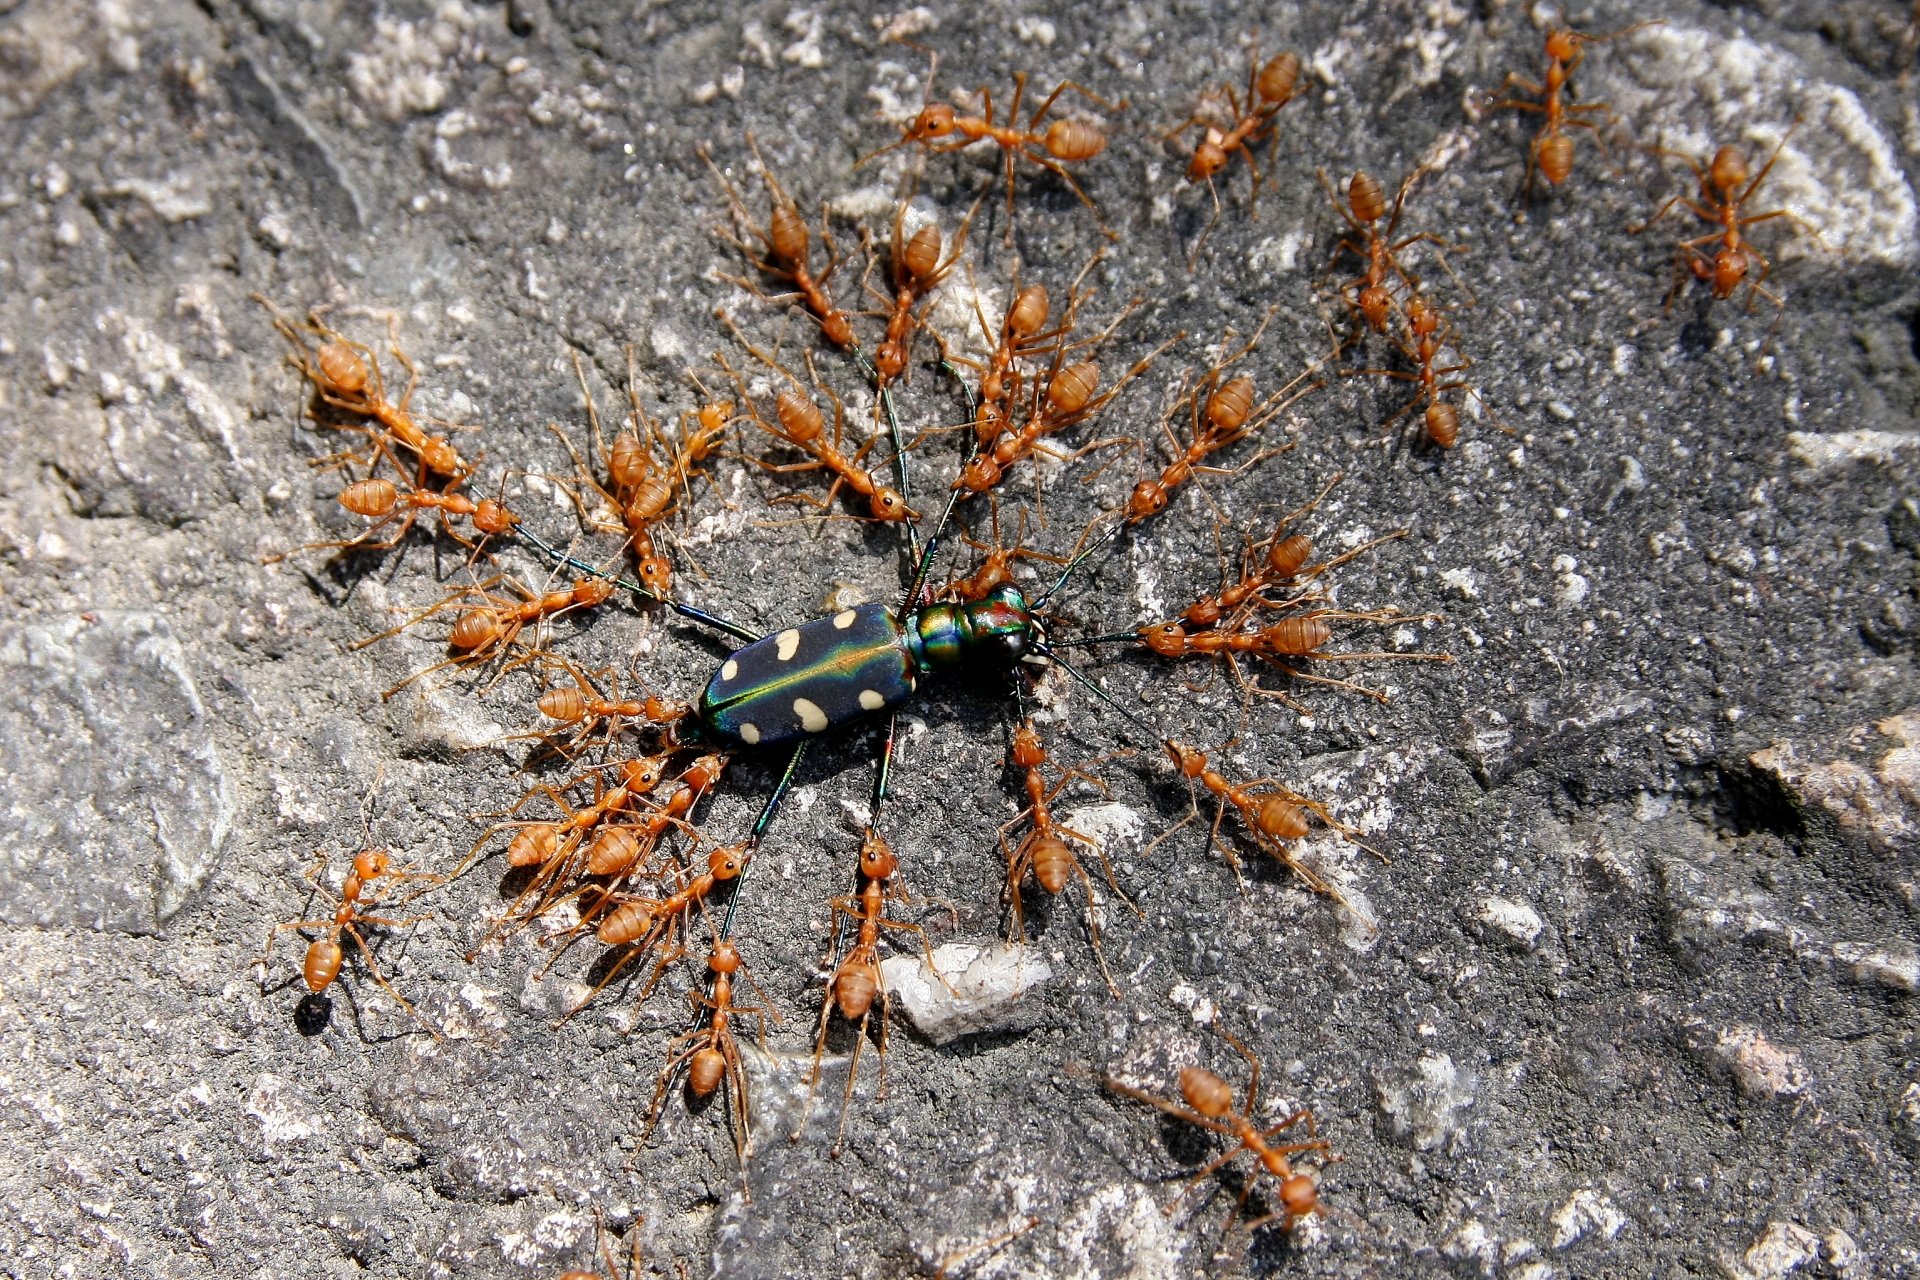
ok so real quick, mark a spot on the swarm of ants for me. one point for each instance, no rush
(610, 849)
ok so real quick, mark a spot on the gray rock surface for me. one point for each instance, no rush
(1631, 993)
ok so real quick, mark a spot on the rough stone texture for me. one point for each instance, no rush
(1631, 992)
(121, 804)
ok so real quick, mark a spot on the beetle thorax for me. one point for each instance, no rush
(996, 630)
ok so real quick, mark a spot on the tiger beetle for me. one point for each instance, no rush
(807, 680)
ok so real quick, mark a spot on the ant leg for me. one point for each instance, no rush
(1078, 88)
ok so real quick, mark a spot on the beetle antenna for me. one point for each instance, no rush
(1047, 652)
(1076, 562)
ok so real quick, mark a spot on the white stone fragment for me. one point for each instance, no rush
(1426, 1103)
(1462, 581)
(282, 1120)
(1516, 920)
(1825, 450)
(1781, 1249)
(982, 986)
(1759, 1067)
(1586, 1213)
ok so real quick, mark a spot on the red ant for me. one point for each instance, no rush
(1210, 1105)
(788, 249)
(1045, 850)
(642, 925)
(1068, 398)
(1369, 295)
(1725, 188)
(1269, 87)
(917, 269)
(640, 494)
(487, 630)
(346, 376)
(325, 955)
(803, 426)
(1064, 142)
(1023, 332)
(1284, 559)
(382, 501)
(1273, 814)
(1431, 334)
(996, 568)
(856, 982)
(1551, 151)
(1229, 416)
(584, 708)
(710, 1053)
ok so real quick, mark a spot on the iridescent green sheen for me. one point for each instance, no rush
(834, 670)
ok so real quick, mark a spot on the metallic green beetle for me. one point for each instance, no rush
(831, 671)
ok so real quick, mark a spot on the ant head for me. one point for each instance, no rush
(656, 574)
(1169, 640)
(889, 504)
(371, 863)
(1729, 269)
(1562, 44)
(493, 517)
(1299, 1195)
(1205, 1092)
(1208, 159)
(877, 861)
(1149, 499)
(838, 328)
(725, 957)
(715, 416)
(934, 121)
(1423, 318)
(890, 358)
(642, 774)
(1728, 172)
(1191, 763)
(1028, 752)
(726, 862)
